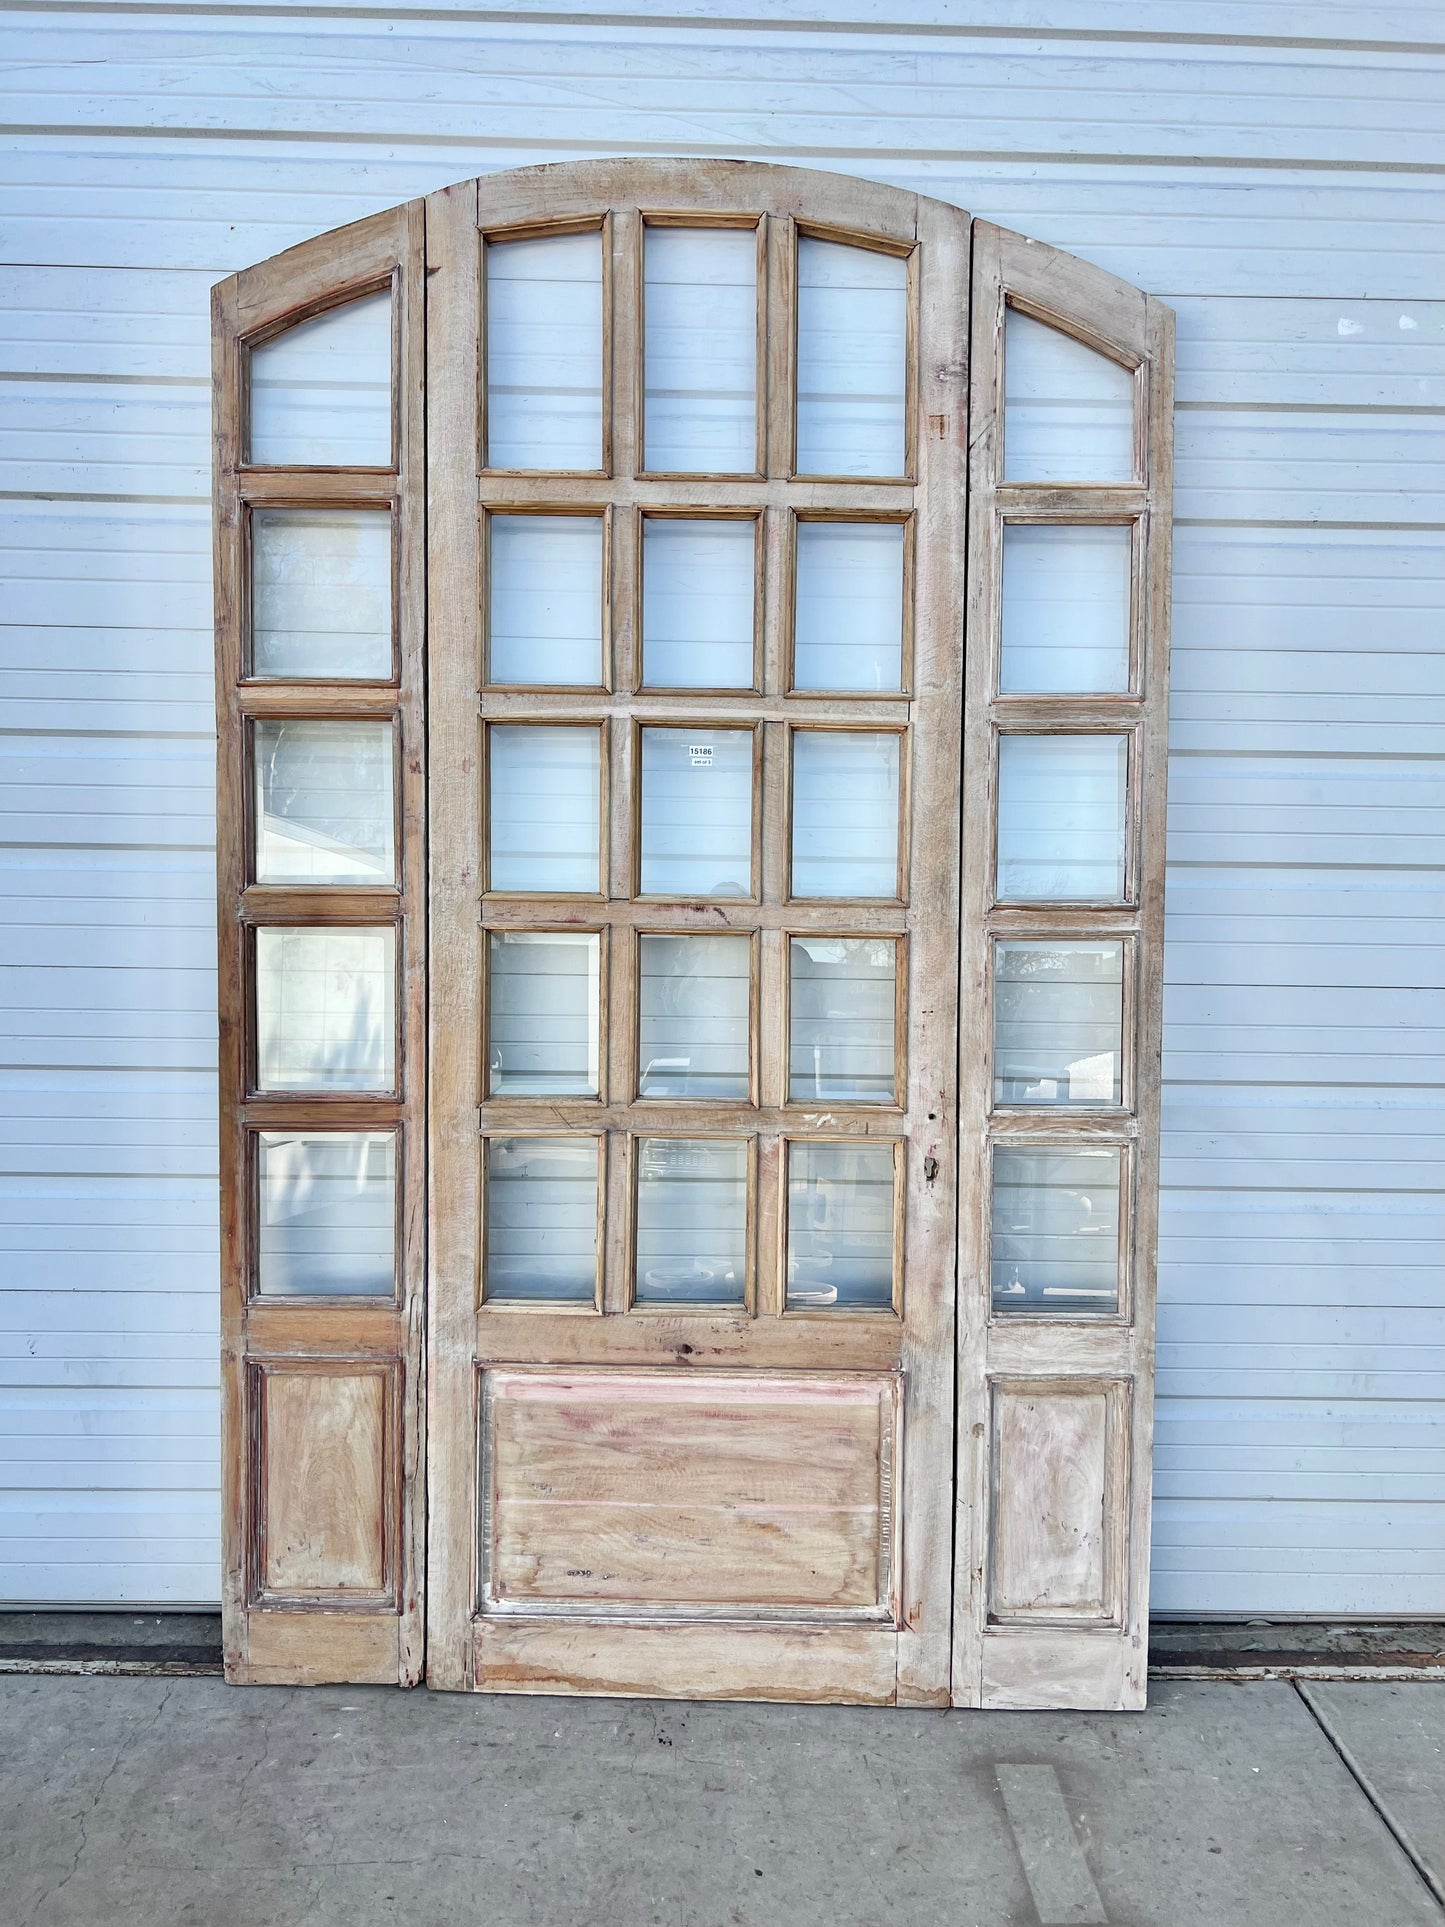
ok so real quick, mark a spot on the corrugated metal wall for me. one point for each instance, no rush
(1267, 169)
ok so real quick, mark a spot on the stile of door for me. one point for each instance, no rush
(697, 462)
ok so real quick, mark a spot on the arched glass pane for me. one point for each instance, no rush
(544, 352)
(701, 325)
(852, 360)
(321, 392)
(1065, 627)
(321, 593)
(840, 1226)
(326, 1214)
(848, 618)
(1068, 410)
(325, 811)
(545, 610)
(1058, 1020)
(543, 1013)
(541, 1219)
(546, 808)
(692, 1221)
(1061, 802)
(698, 599)
(1055, 1228)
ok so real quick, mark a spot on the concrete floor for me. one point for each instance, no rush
(159, 1801)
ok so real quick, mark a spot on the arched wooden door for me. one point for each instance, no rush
(702, 850)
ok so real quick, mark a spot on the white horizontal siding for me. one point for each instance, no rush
(1273, 171)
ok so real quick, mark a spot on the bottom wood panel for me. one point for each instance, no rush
(318, 1649)
(1089, 1671)
(848, 1666)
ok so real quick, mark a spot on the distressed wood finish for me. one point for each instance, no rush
(783, 1564)
(322, 1406)
(1055, 1415)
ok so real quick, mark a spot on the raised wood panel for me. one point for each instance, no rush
(325, 1448)
(359, 1648)
(1081, 1670)
(1057, 1507)
(757, 1493)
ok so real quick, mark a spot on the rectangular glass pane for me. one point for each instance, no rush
(545, 613)
(321, 392)
(543, 1013)
(842, 1003)
(697, 604)
(697, 812)
(1068, 410)
(845, 814)
(692, 1221)
(321, 593)
(545, 809)
(1065, 627)
(702, 350)
(544, 352)
(1058, 1023)
(848, 621)
(1061, 802)
(325, 811)
(852, 359)
(541, 1220)
(1055, 1240)
(840, 1226)
(326, 1214)
(693, 1000)
(325, 1009)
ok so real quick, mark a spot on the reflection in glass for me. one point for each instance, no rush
(1068, 410)
(849, 608)
(693, 1001)
(697, 812)
(1065, 625)
(852, 359)
(542, 1013)
(324, 806)
(321, 593)
(697, 604)
(692, 1221)
(325, 1009)
(1061, 806)
(544, 352)
(845, 813)
(545, 809)
(701, 322)
(326, 1214)
(1058, 1022)
(842, 1001)
(840, 1226)
(321, 392)
(1055, 1228)
(545, 620)
(541, 1220)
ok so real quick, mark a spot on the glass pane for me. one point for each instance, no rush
(697, 812)
(546, 809)
(692, 1221)
(325, 1009)
(321, 392)
(1068, 410)
(702, 350)
(845, 814)
(321, 593)
(542, 1016)
(544, 352)
(1058, 1023)
(1065, 610)
(693, 1017)
(1061, 818)
(1055, 1229)
(324, 806)
(852, 359)
(840, 1226)
(326, 1216)
(842, 1001)
(697, 604)
(545, 621)
(541, 1219)
(848, 626)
